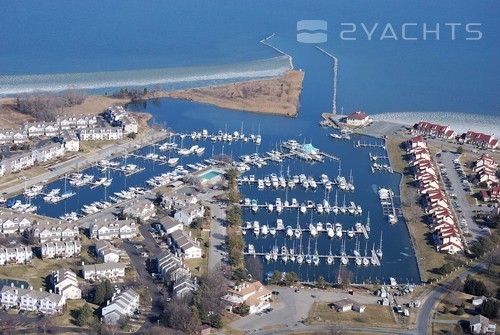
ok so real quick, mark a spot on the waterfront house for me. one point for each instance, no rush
(169, 224)
(70, 140)
(140, 209)
(358, 119)
(479, 324)
(347, 305)
(32, 300)
(100, 134)
(110, 229)
(417, 141)
(15, 255)
(178, 201)
(104, 270)
(107, 252)
(118, 117)
(19, 162)
(189, 247)
(187, 214)
(13, 222)
(66, 284)
(433, 129)
(45, 232)
(121, 305)
(48, 150)
(480, 140)
(255, 295)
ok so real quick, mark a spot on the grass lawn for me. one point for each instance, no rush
(17, 178)
(68, 319)
(201, 263)
(36, 272)
(373, 316)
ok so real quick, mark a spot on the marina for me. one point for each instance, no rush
(331, 199)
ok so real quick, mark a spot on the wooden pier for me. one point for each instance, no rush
(360, 144)
(361, 231)
(374, 260)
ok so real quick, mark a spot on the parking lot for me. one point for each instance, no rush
(459, 192)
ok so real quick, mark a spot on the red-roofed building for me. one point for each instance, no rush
(417, 141)
(450, 247)
(433, 129)
(480, 139)
(358, 119)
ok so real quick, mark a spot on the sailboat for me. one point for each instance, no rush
(366, 261)
(367, 227)
(300, 256)
(358, 260)
(343, 256)
(329, 259)
(315, 258)
(298, 231)
(308, 256)
(335, 208)
(379, 250)
(343, 209)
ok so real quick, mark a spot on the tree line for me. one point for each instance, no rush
(45, 106)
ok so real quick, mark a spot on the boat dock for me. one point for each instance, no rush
(374, 260)
(361, 231)
(360, 144)
(381, 167)
(388, 208)
(374, 158)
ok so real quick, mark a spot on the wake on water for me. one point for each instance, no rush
(459, 122)
(170, 78)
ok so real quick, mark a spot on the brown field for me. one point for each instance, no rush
(373, 316)
(274, 96)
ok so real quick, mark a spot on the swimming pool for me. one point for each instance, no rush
(210, 175)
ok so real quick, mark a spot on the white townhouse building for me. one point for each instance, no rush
(100, 134)
(110, 229)
(15, 255)
(19, 162)
(117, 116)
(66, 284)
(121, 305)
(178, 201)
(70, 140)
(46, 232)
(107, 252)
(171, 267)
(255, 295)
(103, 270)
(61, 249)
(189, 247)
(48, 151)
(187, 214)
(32, 300)
(13, 222)
(140, 209)
(169, 224)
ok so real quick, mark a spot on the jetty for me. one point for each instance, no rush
(360, 144)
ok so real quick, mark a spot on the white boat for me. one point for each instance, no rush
(319, 227)
(270, 208)
(108, 182)
(393, 219)
(173, 160)
(329, 259)
(289, 231)
(255, 207)
(260, 184)
(329, 230)
(319, 208)
(256, 228)
(303, 208)
(264, 230)
(272, 231)
(338, 230)
(294, 203)
(350, 233)
(379, 250)
(297, 232)
(199, 150)
(279, 224)
(312, 230)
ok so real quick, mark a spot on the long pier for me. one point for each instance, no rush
(264, 41)
(388, 207)
(361, 231)
(360, 144)
(335, 70)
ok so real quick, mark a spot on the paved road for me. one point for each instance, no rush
(217, 233)
(138, 263)
(434, 297)
(70, 166)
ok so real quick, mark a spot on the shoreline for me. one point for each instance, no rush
(277, 96)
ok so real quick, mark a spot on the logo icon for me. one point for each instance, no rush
(312, 31)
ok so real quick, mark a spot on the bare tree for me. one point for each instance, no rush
(45, 324)
(254, 268)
